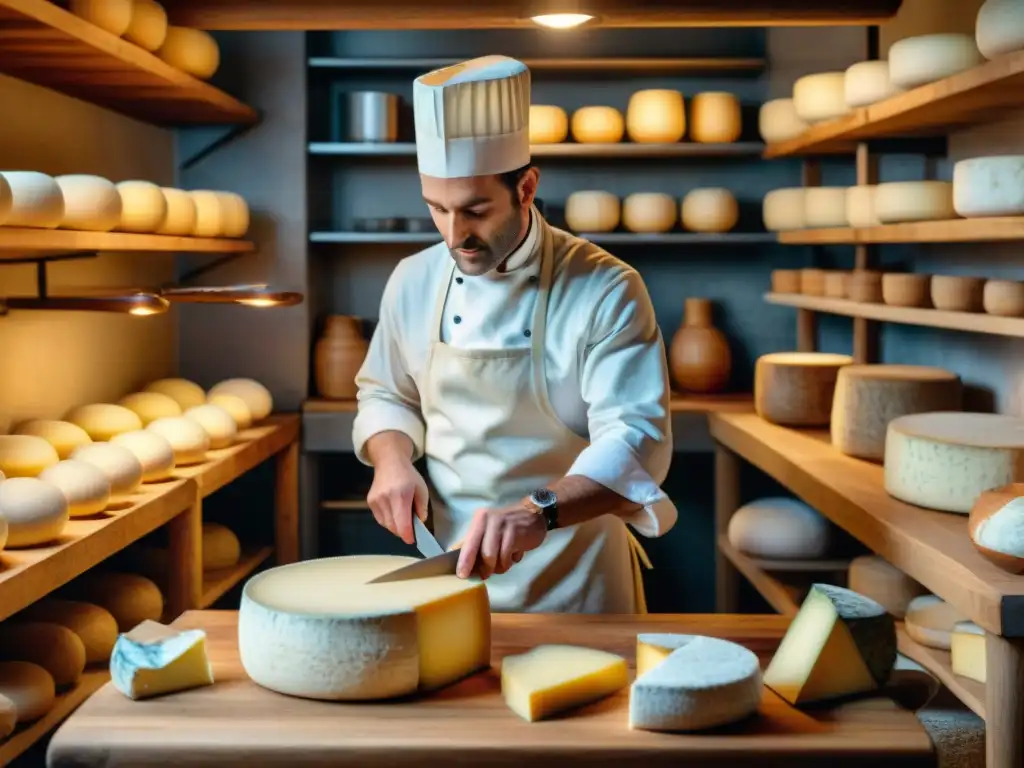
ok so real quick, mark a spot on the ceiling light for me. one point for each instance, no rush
(139, 304)
(559, 14)
(561, 20)
(259, 295)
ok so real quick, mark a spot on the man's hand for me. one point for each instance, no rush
(397, 492)
(497, 538)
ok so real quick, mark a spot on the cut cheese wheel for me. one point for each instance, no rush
(715, 118)
(901, 201)
(130, 598)
(91, 203)
(210, 215)
(887, 585)
(783, 209)
(820, 97)
(29, 686)
(256, 396)
(186, 393)
(945, 460)
(598, 125)
(25, 455)
(36, 200)
(112, 15)
(1000, 28)
(996, 526)
(929, 620)
(188, 439)
(35, 512)
(235, 406)
(592, 211)
(656, 116)
(94, 626)
(989, 186)
(235, 214)
(119, 464)
(153, 659)
(150, 406)
(796, 388)
(8, 717)
(868, 397)
(860, 206)
(350, 640)
(779, 528)
(967, 651)
(652, 648)
(181, 213)
(867, 82)
(548, 124)
(709, 210)
(705, 683)
(221, 548)
(825, 206)
(143, 207)
(53, 647)
(916, 61)
(148, 27)
(64, 436)
(154, 452)
(217, 423)
(193, 51)
(85, 486)
(104, 420)
(777, 120)
(550, 679)
(649, 212)
(840, 643)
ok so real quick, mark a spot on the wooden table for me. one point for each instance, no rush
(235, 722)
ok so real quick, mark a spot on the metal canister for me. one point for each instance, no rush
(372, 116)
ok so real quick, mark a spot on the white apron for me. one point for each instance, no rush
(492, 437)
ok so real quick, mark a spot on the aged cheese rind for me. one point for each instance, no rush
(779, 528)
(796, 388)
(929, 620)
(130, 598)
(967, 651)
(989, 186)
(29, 686)
(153, 660)
(94, 625)
(52, 646)
(887, 585)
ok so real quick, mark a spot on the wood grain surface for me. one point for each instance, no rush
(237, 723)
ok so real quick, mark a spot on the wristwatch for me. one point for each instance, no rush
(547, 504)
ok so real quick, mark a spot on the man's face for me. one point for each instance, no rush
(481, 220)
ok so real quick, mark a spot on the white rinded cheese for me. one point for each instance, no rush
(318, 630)
(649, 212)
(715, 118)
(62, 435)
(130, 598)
(779, 528)
(867, 82)
(1000, 28)
(104, 420)
(795, 389)
(598, 125)
(989, 186)
(705, 683)
(237, 407)
(548, 124)
(188, 439)
(945, 460)
(143, 207)
(53, 647)
(777, 120)
(36, 200)
(783, 209)
(119, 464)
(256, 396)
(148, 27)
(187, 393)
(915, 61)
(210, 214)
(95, 626)
(967, 651)
(29, 687)
(900, 201)
(1003, 530)
(235, 214)
(154, 452)
(929, 620)
(193, 51)
(709, 210)
(221, 548)
(153, 659)
(825, 206)
(150, 406)
(820, 97)
(91, 203)
(592, 210)
(217, 422)
(25, 455)
(181, 213)
(114, 16)
(860, 206)
(84, 485)
(656, 116)
(35, 512)
(874, 577)
(550, 679)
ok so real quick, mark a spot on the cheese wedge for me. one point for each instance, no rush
(154, 659)
(967, 651)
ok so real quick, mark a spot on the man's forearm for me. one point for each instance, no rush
(581, 499)
(388, 446)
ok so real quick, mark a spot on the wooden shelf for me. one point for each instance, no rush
(609, 238)
(971, 322)
(44, 44)
(217, 583)
(932, 547)
(937, 661)
(601, 66)
(568, 149)
(952, 231)
(779, 596)
(975, 96)
(16, 242)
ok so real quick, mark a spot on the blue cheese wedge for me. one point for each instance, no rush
(153, 659)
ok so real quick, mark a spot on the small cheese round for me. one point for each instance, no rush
(916, 61)
(153, 451)
(783, 209)
(36, 200)
(777, 121)
(8, 717)
(188, 439)
(25, 455)
(785, 281)
(114, 16)
(812, 281)
(104, 420)
(256, 396)
(598, 125)
(836, 282)
(860, 206)
(234, 214)
(825, 206)
(62, 435)
(649, 212)
(592, 210)
(119, 464)
(186, 393)
(143, 206)
(874, 577)
(130, 598)
(1004, 298)
(820, 97)
(236, 406)
(91, 203)
(193, 51)
(867, 82)
(210, 215)
(989, 186)
(94, 625)
(148, 27)
(709, 210)
(29, 686)
(53, 647)
(548, 124)
(181, 213)
(958, 293)
(221, 548)
(796, 388)
(929, 621)
(900, 201)
(1000, 28)
(779, 528)
(656, 116)
(150, 406)
(217, 422)
(715, 118)
(85, 486)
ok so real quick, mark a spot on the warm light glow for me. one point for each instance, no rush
(257, 302)
(561, 20)
(143, 311)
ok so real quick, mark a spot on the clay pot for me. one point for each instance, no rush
(988, 504)
(338, 355)
(699, 358)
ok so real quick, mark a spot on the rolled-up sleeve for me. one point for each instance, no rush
(626, 388)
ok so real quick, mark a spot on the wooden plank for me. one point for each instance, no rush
(932, 547)
(217, 583)
(606, 238)
(42, 43)
(937, 661)
(235, 722)
(596, 65)
(16, 242)
(566, 149)
(952, 231)
(772, 590)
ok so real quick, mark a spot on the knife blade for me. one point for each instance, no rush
(425, 541)
(440, 565)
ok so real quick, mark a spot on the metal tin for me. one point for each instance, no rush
(371, 116)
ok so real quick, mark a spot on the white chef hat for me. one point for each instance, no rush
(473, 118)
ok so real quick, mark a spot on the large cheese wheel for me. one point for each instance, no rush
(114, 16)
(234, 214)
(868, 397)
(825, 206)
(715, 118)
(188, 439)
(548, 124)
(915, 61)
(154, 452)
(143, 206)
(930, 620)
(193, 51)
(860, 206)
(210, 214)
(796, 388)
(119, 464)
(875, 577)
(649, 212)
(779, 528)
(945, 460)
(598, 125)
(85, 486)
(237, 407)
(820, 97)
(94, 625)
(317, 629)
(36, 200)
(217, 423)
(53, 647)
(221, 548)
(592, 211)
(867, 82)
(1000, 28)
(709, 210)
(29, 686)
(104, 420)
(130, 598)
(181, 213)
(256, 396)
(90, 203)
(783, 209)
(187, 393)
(989, 186)
(25, 455)
(35, 512)
(777, 120)
(151, 406)
(900, 201)
(62, 435)
(656, 116)
(148, 27)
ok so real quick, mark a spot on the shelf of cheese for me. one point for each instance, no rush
(782, 597)
(42, 43)
(968, 98)
(217, 583)
(937, 661)
(973, 322)
(602, 238)
(603, 66)
(931, 547)
(624, 149)
(978, 230)
(15, 242)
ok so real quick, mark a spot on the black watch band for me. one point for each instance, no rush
(547, 502)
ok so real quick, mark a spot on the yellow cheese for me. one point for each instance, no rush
(53, 647)
(216, 422)
(653, 648)
(119, 464)
(150, 406)
(25, 455)
(188, 439)
(210, 216)
(867, 82)
(553, 678)
(148, 27)
(114, 16)
(967, 651)
(90, 203)
(104, 420)
(656, 116)
(351, 640)
(860, 206)
(597, 125)
(777, 120)
(235, 214)
(193, 51)
(592, 210)
(649, 212)
(186, 393)
(143, 207)
(783, 209)
(181, 213)
(85, 486)
(902, 201)
(221, 548)
(29, 687)
(153, 659)
(130, 598)
(709, 210)
(255, 395)
(34, 512)
(94, 626)
(238, 408)
(548, 124)
(64, 436)
(36, 200)
(153, 451)
(820, 97)
(825, 206)
(715, 117)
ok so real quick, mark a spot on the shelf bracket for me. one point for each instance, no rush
(192, 274)
(42, 278)
(225, 138)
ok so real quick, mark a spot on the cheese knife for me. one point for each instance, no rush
(436, 562)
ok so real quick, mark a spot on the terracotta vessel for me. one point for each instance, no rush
(699, 358)
(337, 357)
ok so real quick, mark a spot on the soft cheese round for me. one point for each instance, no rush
(712, 209)
(186, 436)
(143, 206)
(35, 512)
(649, 212)
(597, 125)
(181, 213)
(860, 206)
(25, 455)
(779, 528)
(119, 464)
(217, 423)
(548, 124)
(64, 436)
(902, 201)
(867, 82)
(35, 200)
(820, 97)
(104, 420)
(150, 406)
(153, 451)
(148, 27)
(916, 61)
(783, 209)
(592, 210)
(1000, 28)
(221, 548)
(930, 620)
(186, 393)
(91, 203)
(130, 598)
(255, 395)
(825, 206)
(777, 120)
(84, 485)
(989, 186)
(996, 526)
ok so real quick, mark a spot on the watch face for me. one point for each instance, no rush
(543, 497)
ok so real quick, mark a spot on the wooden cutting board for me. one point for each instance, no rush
(237, 723)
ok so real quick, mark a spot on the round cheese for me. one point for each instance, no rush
(25, 455)
(548, 124)
(836, 282)
(929, 620)
(236, 406)
(916, 61)
(130, 598)
(715, 118)
(868, 397)
(785, 281)
(996, 526)
(62, 435)
(114, 16)
(29, 686)
(151, 406)
(85, 486)
(1004, 297)
(53, 647)
(153, 451)
(796, 388)
(783, 209)
(649, 212)
(90, 203)
(875, 577)
(188, 439)
(35, 512)
(900, 201)
(860, 206)
(709, 210)
(592, 211)
(958, 293)
(656, 116)
(94, 626)
(256, 396)
(210, 216)
(8, 717)
(779, 528)
(820, 97)
(104, 420)
(193, 51)
(217, 422)
(181, 213)
(945, 460)
(906, 289)
(234, 214)
(119, 464)
(221, 548)
(777, 120)
(812, 281)
(989, 186)
(143, 207)
(187, 393)
(825, 206)
(867, 82)
(36, 200)
(148, 27)
(317, 629)
(6, 199)
(1000, 28)
(598, 125)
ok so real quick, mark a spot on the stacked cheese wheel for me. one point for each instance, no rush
(700, 210)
